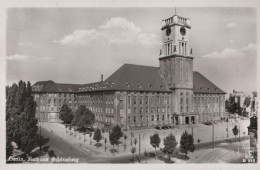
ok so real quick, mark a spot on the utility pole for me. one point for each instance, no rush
(227, 128)
(212, 136)
(239, 131)
(139, 146)
(40, 132)
(192, 130)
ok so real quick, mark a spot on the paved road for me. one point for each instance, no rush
(64, 149)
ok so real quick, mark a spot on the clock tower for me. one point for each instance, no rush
(176, 61)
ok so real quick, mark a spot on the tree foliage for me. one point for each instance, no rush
(187, 143)
(97, 135)
(83, 118)
(235, 130)
(155, 141)
(170, 144)
(66, 114)
(21, 123)
(247, 102)
(115, 135)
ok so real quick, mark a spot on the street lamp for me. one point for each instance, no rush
(227, 127)
(212, 136)
(191, 130)
(40, 131)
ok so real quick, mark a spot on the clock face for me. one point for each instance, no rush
(168, 31)
(183, 31)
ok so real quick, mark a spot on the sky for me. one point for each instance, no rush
(77, 45)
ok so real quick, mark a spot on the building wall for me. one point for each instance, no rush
(49, 104)
(136, 109)
(211, 107)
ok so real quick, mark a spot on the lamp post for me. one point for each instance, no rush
(191, 130)
(212, 136)
(239, 131)
(40, 131)
(227, 127)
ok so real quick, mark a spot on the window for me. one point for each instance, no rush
(168, 100)
(158, 109)
(141, 109)
(162, 117)
(141, 99)
(134, 118)
(146, 100)
(134, 99)
(158, 99)
(134, 109)
(128, 99)
(152, 118)
(158, 117)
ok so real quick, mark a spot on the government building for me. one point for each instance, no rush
(143, 96)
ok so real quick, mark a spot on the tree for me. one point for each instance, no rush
(155, 141)
(21, 124)
(135, 141)
(235, 130)
(247, 102)
(83, 118)
(133, 150)
(125, 137)
(226, 104)
(66, 114)
(90, 134)
(186, 143)
(97, 135)
(169, 145)
(198, 142)
(115, 135)
(105, 140)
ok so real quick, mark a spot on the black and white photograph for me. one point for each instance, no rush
(168, 84)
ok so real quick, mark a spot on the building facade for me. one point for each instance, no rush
(143, 96)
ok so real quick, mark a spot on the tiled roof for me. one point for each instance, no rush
(51, 87)
(137, 78)
(202, 85)
(130, 77)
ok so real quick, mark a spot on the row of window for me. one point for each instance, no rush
(145, 99)
(71, 95)
(206, 99)
(152, 118)
(57, 102)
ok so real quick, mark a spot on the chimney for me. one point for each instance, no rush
(101, 77)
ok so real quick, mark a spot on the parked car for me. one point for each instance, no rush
(208, 123)
(157, 127)
(166, 127)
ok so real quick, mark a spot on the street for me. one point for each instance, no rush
(74, 146)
